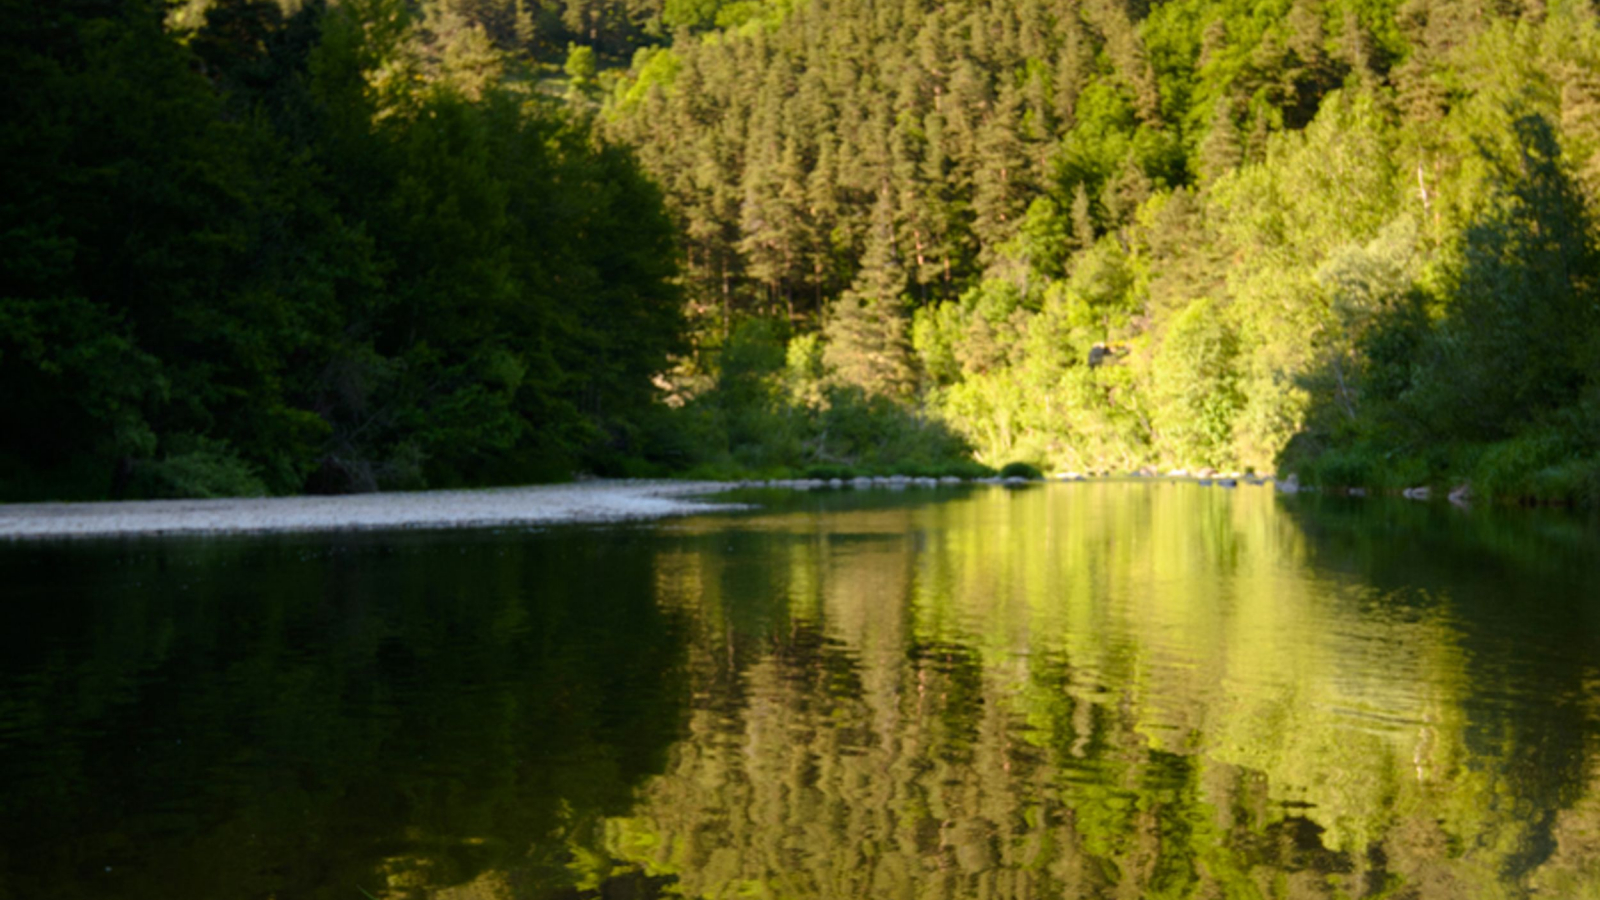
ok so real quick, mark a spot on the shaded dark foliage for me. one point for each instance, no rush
(242, 261)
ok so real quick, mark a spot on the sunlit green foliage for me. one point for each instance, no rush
(778, 407)
(1195, 385)
(1384, 208)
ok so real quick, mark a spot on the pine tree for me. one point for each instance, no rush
(1128, 57)
(1580, 125)
(523, 27)
(1122, 195)
(459, 52)
(868, 331)
(1356, 50)
(1314, 73)
(1074, 62)
(1001, 182)
(822, 208)
(1220, 151)
(1434, 28)
(1082, 222)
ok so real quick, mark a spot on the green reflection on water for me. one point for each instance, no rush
(1093, 690)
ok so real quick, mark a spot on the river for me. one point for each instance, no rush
(1104, 689)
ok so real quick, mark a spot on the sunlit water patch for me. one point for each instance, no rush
(1086, 690)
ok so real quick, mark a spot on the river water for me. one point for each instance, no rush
(1114, 690)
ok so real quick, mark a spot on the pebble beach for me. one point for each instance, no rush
(580, 502)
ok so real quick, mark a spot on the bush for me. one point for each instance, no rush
(1341, 467)
(197, 467)
(967, 469)
(1366, 464)
(876, 431)
(827, 470)
(714, 471)
(1548, 465)
(1196, 385)
(764, 410)
(1575, 481)
(1021, 470)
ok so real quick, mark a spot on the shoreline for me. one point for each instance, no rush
(592, 502)
(584, 502)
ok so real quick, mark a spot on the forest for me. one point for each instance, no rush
(293, 246)
(325, 249)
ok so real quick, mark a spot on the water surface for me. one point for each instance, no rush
(1087, 690)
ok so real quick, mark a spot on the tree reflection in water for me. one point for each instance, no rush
(1094, 690)
(1131, 691)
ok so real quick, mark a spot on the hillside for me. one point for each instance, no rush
(282, 245)
(1353, 238)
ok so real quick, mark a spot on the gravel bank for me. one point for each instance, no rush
(588, 501)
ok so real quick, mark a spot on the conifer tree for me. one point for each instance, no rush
(526, 31)
(1220, 151)
(1356, 50)
(1082, 221)
(868, 329)
(1001, 179)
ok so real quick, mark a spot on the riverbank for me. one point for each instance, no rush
(549, 504)
(1543, 467)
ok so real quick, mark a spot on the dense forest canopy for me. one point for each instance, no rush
(302, 245)
(1100, 235)
(324, 249)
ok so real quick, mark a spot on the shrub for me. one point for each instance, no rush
(1196, 385)
(1021, 470)
(967, 469)
(197, 467)
(1546, 465)
(1575, 481)
(1341, 467)
(826, 471)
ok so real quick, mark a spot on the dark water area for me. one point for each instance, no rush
(1080, 690)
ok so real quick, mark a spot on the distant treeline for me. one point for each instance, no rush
(327, 249)
(1348, 237)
